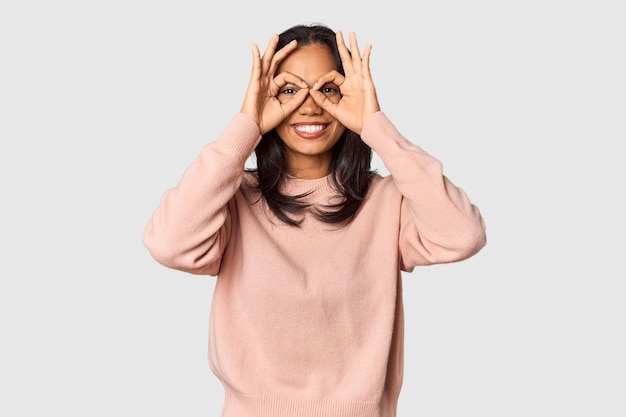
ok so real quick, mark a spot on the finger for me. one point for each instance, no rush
(354, 47)
(344, 53)
(268, 54)
(323, 101)
(281, 55)
(287, 78)
(334, 77)
(256, 63)
(365, 64)
(296, 101)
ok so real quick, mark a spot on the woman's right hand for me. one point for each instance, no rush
(261, 102)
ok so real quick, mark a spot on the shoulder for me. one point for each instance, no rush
(383, 188)
(381, 182)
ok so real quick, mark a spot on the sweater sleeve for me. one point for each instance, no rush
(438, 222)
(190, 228)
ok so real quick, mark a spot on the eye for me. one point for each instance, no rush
(330, 90)
(290, 91)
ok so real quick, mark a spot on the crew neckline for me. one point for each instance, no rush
(294, 185)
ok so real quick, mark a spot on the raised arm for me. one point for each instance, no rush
(190, 228)
(439, 223)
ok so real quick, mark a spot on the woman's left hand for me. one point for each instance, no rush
(358, 94)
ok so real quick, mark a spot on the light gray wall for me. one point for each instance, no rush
(104, 104)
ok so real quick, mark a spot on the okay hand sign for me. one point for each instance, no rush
(359, 99)
(261, 102)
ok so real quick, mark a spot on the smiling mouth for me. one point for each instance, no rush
(310, 128)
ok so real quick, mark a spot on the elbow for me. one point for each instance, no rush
(455, 249)
(472, 243)
(169, 254)
(160, 251)
(464, 245)
(472, 240)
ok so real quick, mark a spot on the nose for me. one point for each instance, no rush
(310, 107)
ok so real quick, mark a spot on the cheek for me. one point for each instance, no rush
(339, 131)
(282, 129)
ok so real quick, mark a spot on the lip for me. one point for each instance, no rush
(312, 130)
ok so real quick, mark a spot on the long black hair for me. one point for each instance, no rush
(350, 165)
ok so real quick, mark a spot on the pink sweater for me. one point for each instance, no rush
(309, 321)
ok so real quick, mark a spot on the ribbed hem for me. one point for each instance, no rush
(270, 406)
(382, 135)
(241, 136)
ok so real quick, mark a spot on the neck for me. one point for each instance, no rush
(306, 174)
(310, 169)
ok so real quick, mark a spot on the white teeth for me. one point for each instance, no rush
(309, 128)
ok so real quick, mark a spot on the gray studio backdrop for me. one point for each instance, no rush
(103, 105)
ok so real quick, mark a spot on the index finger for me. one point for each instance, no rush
(284, 79)
(333, 76)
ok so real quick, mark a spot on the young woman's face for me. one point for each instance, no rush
(309, 133)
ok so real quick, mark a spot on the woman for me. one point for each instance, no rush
(308, 248)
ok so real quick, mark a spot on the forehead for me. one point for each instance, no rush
(308, 61)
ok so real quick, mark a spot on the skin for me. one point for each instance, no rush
(309, 133)
(296, 87)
